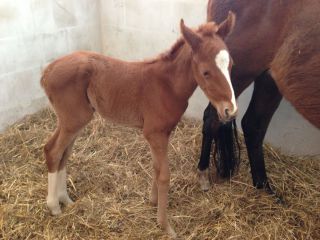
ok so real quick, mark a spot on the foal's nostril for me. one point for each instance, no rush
(226, 111)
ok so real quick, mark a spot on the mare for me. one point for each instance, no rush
(151, 95)
(274, 44)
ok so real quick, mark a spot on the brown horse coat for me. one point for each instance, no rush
(282, 36)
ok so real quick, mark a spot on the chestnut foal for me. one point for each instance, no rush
(151, 95)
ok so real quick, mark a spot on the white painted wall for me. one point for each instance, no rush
(32, 34)
(138, 29)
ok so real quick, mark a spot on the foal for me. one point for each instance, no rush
(150, 95)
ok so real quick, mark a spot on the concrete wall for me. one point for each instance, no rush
(138, 29)
(32, 34)
(143, 28)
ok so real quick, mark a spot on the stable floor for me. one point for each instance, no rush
(110, 179)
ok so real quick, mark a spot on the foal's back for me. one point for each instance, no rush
(109, 86)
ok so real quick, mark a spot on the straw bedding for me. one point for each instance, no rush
(110, 179)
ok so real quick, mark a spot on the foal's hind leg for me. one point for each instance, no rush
(54, 153)
(58, 149)
(63, 196)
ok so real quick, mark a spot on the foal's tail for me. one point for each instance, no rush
(227, 150)
(44, 83)
(46, 72)
(42, 80)
(44, 76)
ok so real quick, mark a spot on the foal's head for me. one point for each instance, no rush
(211, 64)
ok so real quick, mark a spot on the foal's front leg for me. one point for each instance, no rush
(161, 178)
(154, 187)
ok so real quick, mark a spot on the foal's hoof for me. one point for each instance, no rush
(171, 232)
(55, 212)
(167, 228)
(54, 209)
(204, 179)
(54, 206)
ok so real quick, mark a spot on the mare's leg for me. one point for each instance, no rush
(210, 126)
(264, 102)
(159, 147)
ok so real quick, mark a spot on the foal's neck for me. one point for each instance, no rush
(177, 73)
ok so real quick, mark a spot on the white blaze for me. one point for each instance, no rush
(222, 61)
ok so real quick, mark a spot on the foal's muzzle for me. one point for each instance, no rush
(227, 112)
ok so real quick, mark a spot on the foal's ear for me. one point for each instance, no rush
(191, 37)
(226, 27)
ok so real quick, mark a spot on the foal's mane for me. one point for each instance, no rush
(205, 30)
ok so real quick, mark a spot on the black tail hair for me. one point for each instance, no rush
(227, 150)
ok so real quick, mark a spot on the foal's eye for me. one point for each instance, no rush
(206, 74)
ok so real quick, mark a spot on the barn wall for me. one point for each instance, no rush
(32, 34)
(143, 28)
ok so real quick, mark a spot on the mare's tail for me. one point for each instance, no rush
(227, 150)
